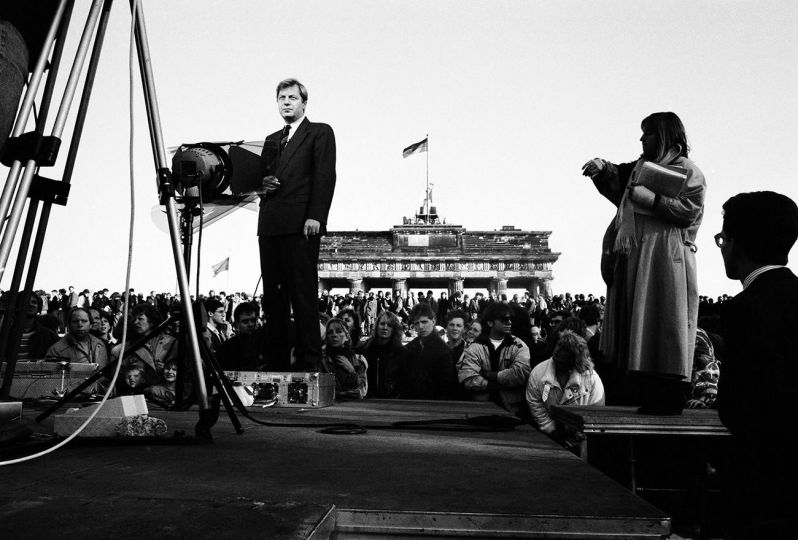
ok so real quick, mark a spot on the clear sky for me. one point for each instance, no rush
(515, 95)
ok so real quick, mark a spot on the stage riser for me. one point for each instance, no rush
(353, 524)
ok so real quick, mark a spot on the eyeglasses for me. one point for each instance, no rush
(720, 239)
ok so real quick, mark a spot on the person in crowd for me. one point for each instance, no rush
(428, 371)
(455, 340)
(398, 303)
(542, 350)
(132, 382)
(455, 332)
(457, 301)
(444, 305)
(648, 263)
(567, 378)
(706, 373)
(430, 299)
(102, 300)
(78, 345)
(37, 337)
(84, 299)
(370, 309)
(522, 326)
(152, 355)
(249, 349)
(352, 321)
(94, 318)
(102, 328)
(463, 303)
(72, 298)
(339, 357)
(474, 306)
(574, 324)
(496, 365)
(537, 335)
(592, 316)
(326, 302)
(555, 319)
(485, 302)
(383, 351)
(758, 389)
(55, 306)
(300, 163)
(474, 330)
(217, 330)
(163, 393)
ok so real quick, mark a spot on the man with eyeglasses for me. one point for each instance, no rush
(758, 387)
(495, 366)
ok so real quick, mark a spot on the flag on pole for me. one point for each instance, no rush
(221, 266)
(416, 148)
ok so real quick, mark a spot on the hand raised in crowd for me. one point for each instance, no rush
(593, 167)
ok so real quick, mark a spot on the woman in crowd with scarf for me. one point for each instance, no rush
(338, 357)
(648, 263)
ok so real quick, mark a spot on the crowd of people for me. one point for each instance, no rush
(379, 344)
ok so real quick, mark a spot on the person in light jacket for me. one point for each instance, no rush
(567, 378)
(496, 365)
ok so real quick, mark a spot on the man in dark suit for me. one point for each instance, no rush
(758, 386)
(299, 162)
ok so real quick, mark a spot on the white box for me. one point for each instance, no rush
(106, 421)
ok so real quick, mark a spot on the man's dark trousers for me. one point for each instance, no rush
(290, 278)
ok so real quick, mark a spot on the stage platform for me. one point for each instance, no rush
(296, 482)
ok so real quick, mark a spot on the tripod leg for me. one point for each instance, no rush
(224, 391)
(24, 112)
(58, 126)
(167, 194)
(225, 397)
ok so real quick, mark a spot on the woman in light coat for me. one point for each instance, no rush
(648, 258)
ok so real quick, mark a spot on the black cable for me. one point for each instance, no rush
(476, 424)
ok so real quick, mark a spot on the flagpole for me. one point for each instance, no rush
(426, 198)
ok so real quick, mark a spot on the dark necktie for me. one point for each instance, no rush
(284, 137)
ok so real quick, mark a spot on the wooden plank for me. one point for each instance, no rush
(626, 421)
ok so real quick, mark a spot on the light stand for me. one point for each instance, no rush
(42, 151)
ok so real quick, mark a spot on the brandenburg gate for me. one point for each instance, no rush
(427, 255)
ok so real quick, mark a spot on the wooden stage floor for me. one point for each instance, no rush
(296, 482)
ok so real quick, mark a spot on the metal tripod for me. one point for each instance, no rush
(36, 150)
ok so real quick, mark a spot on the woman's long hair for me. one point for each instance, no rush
(396, 328)
(670, 133)
(354, 333)
(574, 346)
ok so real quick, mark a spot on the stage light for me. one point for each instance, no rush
(202, 168)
